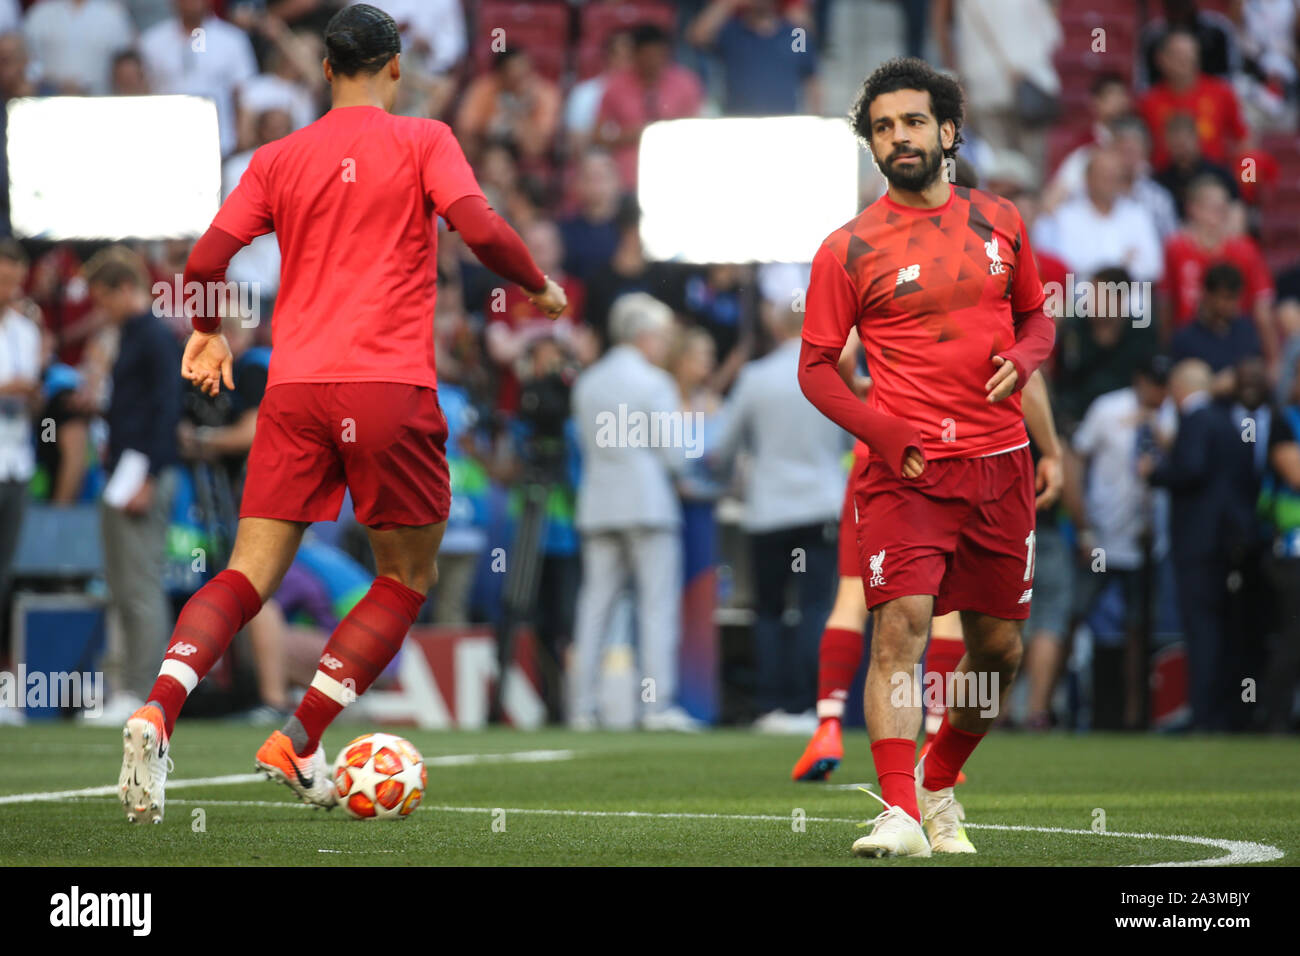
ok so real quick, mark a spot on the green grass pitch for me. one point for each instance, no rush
(722, 798)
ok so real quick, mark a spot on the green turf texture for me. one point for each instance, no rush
(1239, 788)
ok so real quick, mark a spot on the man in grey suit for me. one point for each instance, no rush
(794, 493)
(635, 440)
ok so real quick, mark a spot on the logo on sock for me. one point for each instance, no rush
(184, 650)
(330, 661)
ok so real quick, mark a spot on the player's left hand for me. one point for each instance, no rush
(1049, 481)
(208, 362)
(1003, 382)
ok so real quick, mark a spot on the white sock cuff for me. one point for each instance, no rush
(338, 692)
(180, 671)
(829, 707)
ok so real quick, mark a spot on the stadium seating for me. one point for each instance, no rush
(598, 20)
(541, 28)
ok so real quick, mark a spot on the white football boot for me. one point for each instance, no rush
(145, 765)
(895, 832)
(942, 817)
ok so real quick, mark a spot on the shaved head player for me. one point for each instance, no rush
(351, 397)
(940, 283)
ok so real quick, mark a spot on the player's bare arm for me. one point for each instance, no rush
(1050, 476)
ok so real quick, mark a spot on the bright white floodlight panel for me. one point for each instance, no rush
(745, 190)
(112, 167)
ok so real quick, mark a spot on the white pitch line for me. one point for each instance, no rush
(449, 760)
(1238, 851)
(112, 790)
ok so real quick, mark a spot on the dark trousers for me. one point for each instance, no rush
(1203, 609)
(801, 559)
(1283, 671)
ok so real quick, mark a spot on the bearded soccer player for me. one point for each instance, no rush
(842, 643)
(351, 396)
(940, 282)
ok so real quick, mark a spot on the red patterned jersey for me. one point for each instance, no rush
(933, 294)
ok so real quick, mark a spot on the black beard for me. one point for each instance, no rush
(916, 177)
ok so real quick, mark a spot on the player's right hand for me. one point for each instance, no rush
(551, 300)
(913, 463)
(207, 362)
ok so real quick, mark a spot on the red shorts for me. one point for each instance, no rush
(849, 566)
(383, 441)
(963, 532)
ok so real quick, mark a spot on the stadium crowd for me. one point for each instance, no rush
(1160, 181)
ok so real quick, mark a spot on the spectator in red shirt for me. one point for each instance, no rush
(654, 88)
(514, 323)
(1207, 240)
(1185, 89)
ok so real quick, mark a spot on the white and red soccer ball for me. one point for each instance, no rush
(379, 776)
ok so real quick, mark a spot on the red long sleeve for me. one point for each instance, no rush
(207, 263)
(888, 436)
(1035, 336)
(495, 244)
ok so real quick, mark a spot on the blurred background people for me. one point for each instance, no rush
(142, 417)
(628, 512)
(793, 495)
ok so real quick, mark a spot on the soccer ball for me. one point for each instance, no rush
(379, 776)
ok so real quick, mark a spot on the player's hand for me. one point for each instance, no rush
(861, 385)
(208, 362)
(1049, 481)
(913, 463)
(551, 300)
(1003, 382)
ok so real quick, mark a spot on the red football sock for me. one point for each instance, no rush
(941, 657)
(947, 755)
(358, 651)
(209, 620)
(838, 658)
(897, 774)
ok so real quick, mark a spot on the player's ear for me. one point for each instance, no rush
(328, 70)
(395, 66)
(947, 134)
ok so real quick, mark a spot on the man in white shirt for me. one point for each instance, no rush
(1117, 504)
(73, 42)
(196, 53)
(20, 375)
(1132, 144)
(1102, 227)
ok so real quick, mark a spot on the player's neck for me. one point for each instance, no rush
(355, 94)
(931, 197)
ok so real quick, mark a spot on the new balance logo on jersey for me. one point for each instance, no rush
(184, 650)
(996, 268)
(909, 274)
(1026, 597)
(877, 562)
(330, 661)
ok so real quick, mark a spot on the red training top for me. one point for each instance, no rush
(352, 199)
(935, 294)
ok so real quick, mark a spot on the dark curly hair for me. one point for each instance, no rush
(909, 73)
(361, 39)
